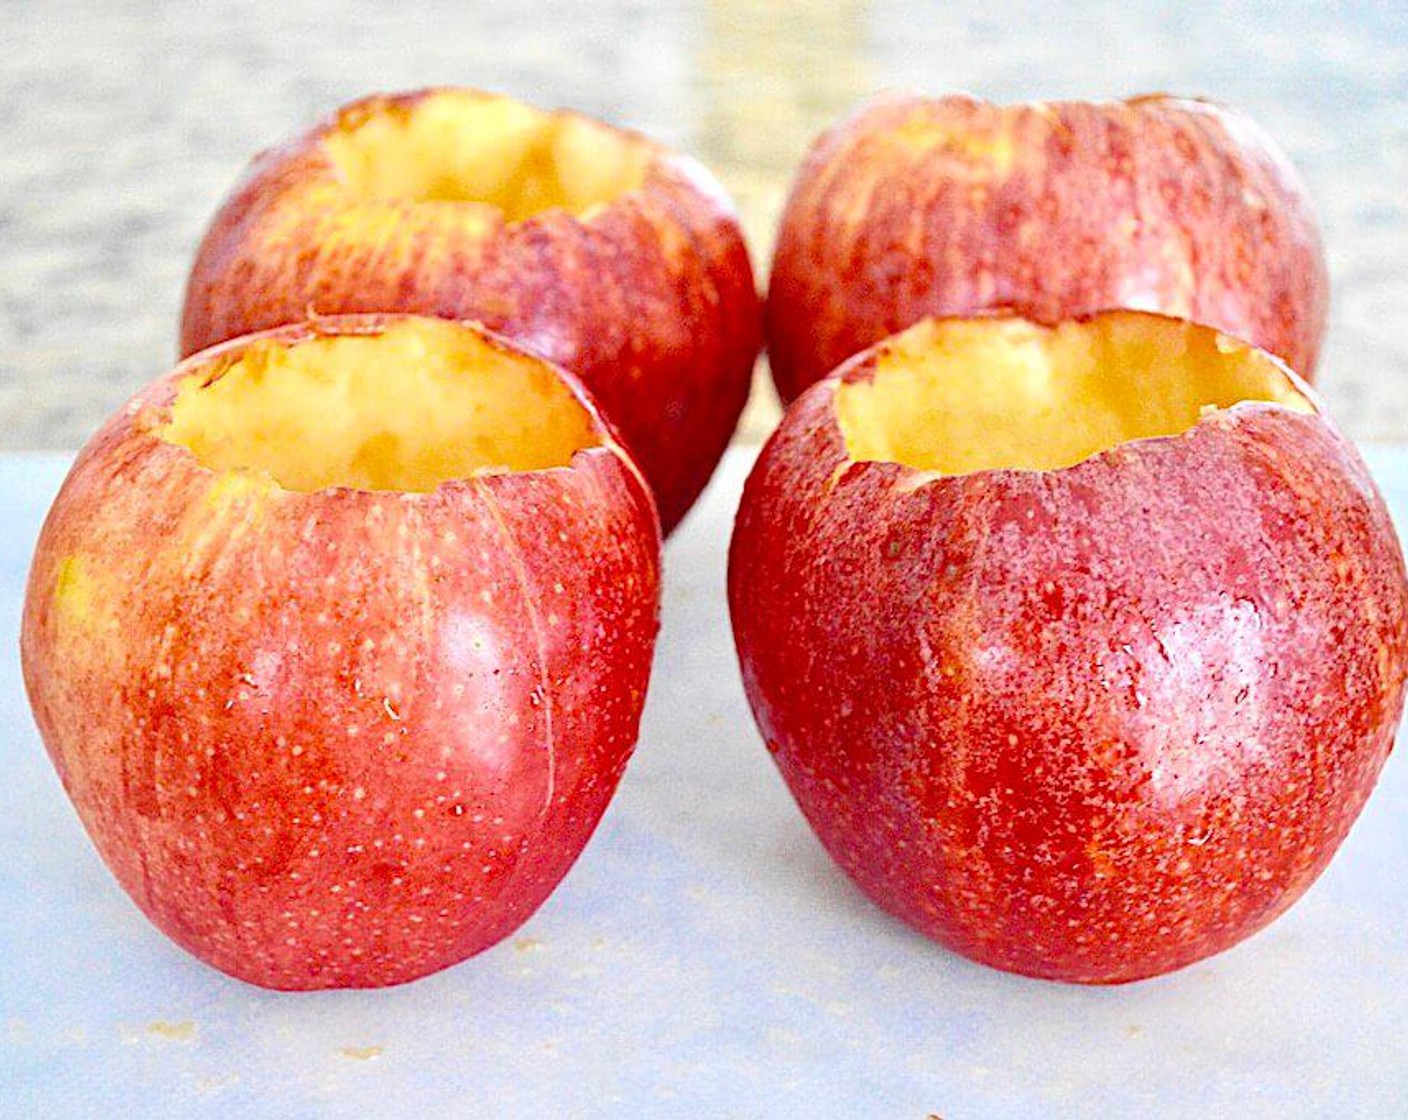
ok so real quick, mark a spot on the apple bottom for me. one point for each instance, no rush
(1093, 896)
(389, 907)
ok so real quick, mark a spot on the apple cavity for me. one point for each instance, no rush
(338, 637)
(1080, 647)
(591, 245)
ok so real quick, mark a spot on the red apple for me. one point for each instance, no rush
(338, 637)
(919, 206)
(1080, 647)
(591, 245)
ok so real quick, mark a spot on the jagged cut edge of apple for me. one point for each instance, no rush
(400, 404)
(486, 152)
(999, 392)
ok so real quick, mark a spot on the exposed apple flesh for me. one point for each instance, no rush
(1081, 647)
(338, 637)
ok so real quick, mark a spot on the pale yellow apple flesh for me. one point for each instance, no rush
(458, 147)
(323, 413)
(957, 396)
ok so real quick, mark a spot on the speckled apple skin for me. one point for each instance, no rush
(342, 738)
(920, 206)
(651, 301)
(1091, 724)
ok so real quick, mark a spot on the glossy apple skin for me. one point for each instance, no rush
(1091, 724)
(651, 301)
(948, 206)
(341, 738)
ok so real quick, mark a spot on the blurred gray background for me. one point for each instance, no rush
(123, 124)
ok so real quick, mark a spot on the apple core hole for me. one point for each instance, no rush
(459, 146)
(421, 403)
(955, 396)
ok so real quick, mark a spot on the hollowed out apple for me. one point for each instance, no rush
(338, 637)
(1080, 647)
(949, 206)
(588, 244)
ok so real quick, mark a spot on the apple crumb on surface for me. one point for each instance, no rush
(360, 1053)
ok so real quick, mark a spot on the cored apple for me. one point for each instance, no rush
(950, 206)
(591, 245)
(1080, 647)
(338, 637)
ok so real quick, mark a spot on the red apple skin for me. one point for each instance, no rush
(917, 207)
(341, 738)
(651, 301)
(1091, 724)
